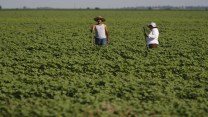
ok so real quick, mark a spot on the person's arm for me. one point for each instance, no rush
(92, 28)
(145, 32)
(107, 34)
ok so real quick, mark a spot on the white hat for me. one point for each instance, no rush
(153, 24)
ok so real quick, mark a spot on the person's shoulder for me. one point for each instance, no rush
(105, 25)
(94, 25)
(155, 30)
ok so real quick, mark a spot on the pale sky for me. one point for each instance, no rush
(98, 3)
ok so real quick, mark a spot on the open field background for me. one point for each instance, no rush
(48, 66)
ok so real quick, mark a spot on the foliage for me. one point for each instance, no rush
(48, 66)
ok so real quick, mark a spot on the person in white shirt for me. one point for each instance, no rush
(101, 31)
(152, 37)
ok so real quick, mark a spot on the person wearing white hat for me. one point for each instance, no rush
(101, 31)
(152, 37)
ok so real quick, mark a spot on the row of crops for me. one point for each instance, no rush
(49, 67)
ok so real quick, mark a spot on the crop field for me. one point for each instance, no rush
(50, 68)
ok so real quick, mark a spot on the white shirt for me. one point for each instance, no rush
(153, 37)
(100, 31)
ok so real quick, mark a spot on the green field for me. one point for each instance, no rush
(49, 67)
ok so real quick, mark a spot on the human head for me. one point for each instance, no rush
(99, 18)
(152, 25)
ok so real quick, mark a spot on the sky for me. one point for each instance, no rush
(98, 3)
